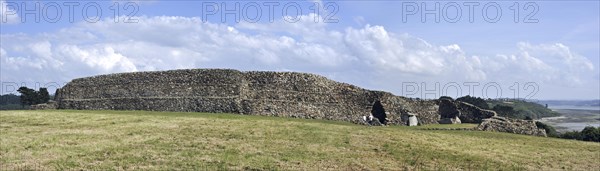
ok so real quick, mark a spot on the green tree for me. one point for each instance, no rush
(10, 102)
(28, 96)
(43, 95)
(32, 97)
(10, 99)
(590, 133)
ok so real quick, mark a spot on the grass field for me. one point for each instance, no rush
(128, 140)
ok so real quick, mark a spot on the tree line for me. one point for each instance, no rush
(27, 98)
(32, 97)
(589, 133)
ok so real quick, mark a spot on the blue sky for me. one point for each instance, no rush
(381, 45)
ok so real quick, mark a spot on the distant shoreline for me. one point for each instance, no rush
(573, 119)
(554, 108)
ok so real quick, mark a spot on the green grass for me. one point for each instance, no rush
(132, 140)
(464, 125)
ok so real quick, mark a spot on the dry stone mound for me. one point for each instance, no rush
(285, 94)
(282, 94)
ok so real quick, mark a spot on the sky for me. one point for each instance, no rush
(422, 49)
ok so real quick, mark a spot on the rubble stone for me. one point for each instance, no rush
(517, 126)
(44, 106)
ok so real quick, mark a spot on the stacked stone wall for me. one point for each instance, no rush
(284, 94)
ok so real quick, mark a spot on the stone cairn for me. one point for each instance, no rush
(282, 94)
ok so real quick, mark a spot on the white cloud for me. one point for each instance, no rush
(8, 15)
(356, 55)
(552, 63)
(378, 48)
(305, 28)
(559, 54)
(41, 49)
(103, 59)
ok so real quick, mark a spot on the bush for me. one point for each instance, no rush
(550, 131)
(589, 133)
(571, 135)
